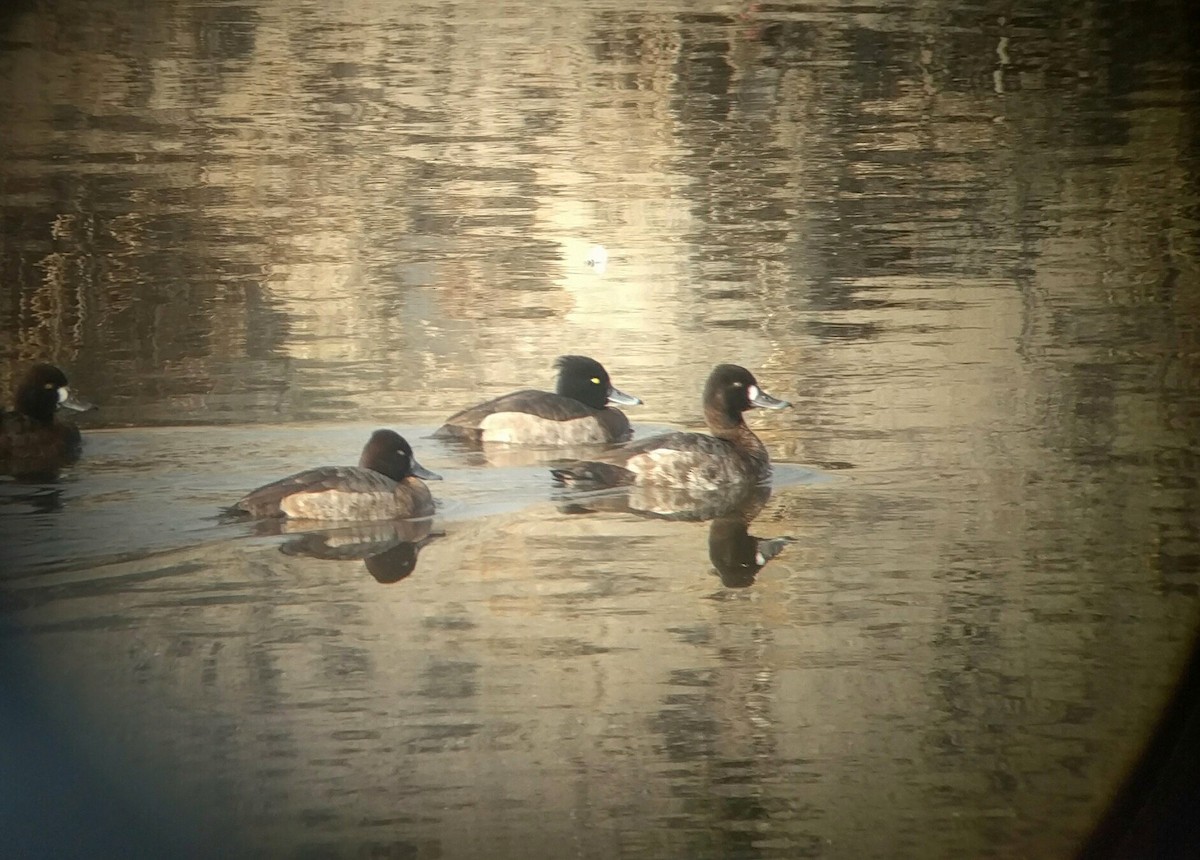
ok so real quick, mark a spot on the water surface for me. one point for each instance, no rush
(962, 241)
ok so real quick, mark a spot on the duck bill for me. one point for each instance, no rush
(421, 472)
(762, 400)
(67, 400)
(621, 398)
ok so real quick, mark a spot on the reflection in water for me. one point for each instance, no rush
(387, 549)
(737, 555)
(965, 238)
(42, 499)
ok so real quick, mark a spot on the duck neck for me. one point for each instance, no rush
(31, 402)
(733, 428)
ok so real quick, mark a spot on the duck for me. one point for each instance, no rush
(732, 455)
(386, 484)
(33, 440)
(576, 413)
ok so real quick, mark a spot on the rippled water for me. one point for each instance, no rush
(962, 240)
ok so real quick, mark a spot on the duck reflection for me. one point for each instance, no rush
(736, 555)
(387, 549)
(41, 500)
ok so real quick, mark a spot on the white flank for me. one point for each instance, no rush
(340, 505)
(522, 428)
(688, 470)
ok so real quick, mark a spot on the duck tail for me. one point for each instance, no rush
(233, 514)
(568, 477)
(591, 475)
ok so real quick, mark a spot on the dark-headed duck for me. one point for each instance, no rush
(694, 461)
(385, 485)
(577, 413)
(32, 439)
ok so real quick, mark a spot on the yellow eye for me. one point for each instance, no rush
(49, 385)
(595, 380)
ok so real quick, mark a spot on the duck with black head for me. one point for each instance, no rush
(733, 454)
(386, 484)
(34, 440)
(577, 412)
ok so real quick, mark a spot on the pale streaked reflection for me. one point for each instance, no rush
(960, 241)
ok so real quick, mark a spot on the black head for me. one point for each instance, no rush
(731, 390)
(388, 453)
(42, 390)
(585, 379)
